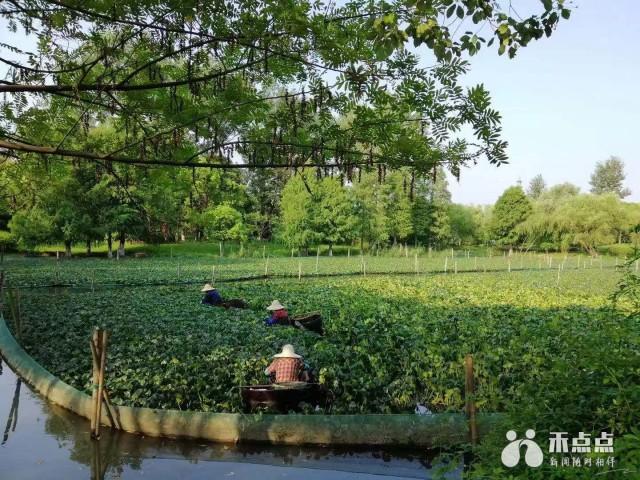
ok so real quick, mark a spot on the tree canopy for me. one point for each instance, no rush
(608, 177)
(225, 84)
(161, 115)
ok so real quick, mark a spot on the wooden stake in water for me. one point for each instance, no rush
(452, 253)
(220, 245)
(299, 270)
(213, 274)
(415, 262)
(475, 263)
(558, 281)
(445, 264)
(178, 272)
(455, 267)
(264, 248)
(266, 266)
(509, 266)
(317, 259)
(349, 252)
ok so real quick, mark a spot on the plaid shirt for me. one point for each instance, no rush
(286, 369)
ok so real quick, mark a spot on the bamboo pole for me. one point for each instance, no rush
(213, 274)
(103, 360)
(445, 264)
(93, 342)
(469, 387)
(317, 259)
(299, 270)
(266, 266)
(110, 410)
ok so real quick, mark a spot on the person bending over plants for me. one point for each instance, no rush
(278, 315)
(287, 366)
(213, 298)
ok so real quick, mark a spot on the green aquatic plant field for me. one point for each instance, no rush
(391, 340)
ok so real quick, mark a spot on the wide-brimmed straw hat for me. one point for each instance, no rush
(275, 305)
(207, 287)
(287, 352)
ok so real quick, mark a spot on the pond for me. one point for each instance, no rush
(42, 441)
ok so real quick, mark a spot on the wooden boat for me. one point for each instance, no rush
(234, 303)
(310, 321)
(283, 397)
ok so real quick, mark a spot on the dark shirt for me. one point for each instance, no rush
(212, 297)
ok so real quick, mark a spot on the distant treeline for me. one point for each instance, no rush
(71, 204)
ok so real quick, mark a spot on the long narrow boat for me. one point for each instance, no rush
(234, 303)
(283, 397)
(309, 321)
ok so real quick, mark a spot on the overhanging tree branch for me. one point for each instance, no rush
(44, 150)
(14, 87)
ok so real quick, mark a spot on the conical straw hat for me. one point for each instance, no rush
(207, 288)
(287, 352)
(275, 305)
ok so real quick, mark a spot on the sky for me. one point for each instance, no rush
(567, 102)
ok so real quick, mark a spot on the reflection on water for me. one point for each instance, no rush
(43, 441)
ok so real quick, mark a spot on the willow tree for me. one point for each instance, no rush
(255, 84)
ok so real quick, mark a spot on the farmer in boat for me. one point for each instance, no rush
(287, 366)
(279, 314)
(211, 296)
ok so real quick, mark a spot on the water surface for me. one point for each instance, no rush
(42, 441)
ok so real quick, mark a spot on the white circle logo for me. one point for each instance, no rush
(511, 453)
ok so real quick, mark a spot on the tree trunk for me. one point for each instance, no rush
(121, 245)
(67, 248)
(109, 246)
